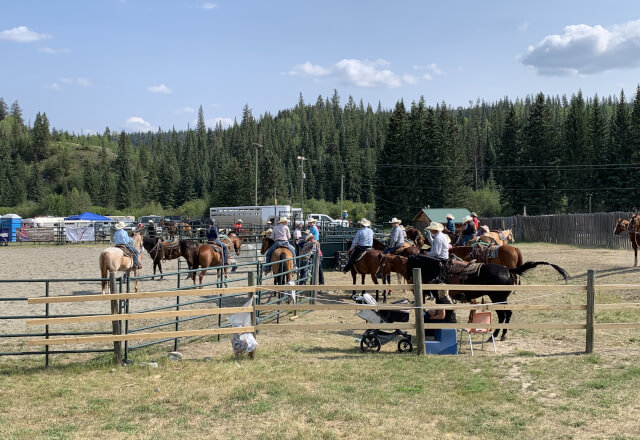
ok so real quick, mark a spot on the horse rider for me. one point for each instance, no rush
(451, 226)
(484, 230)
(314, 229)
(362, 242)
(151, 229)
(212, 237)
(476, 222)
(345, 214)
(281, 236)
(297, 236)
(439, 243)
(469, 230)
(396, 237)
(120, 237)
(237, 226)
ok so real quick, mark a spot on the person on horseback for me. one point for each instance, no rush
(120, 237)
(396, 237)
(451, 226)
(468, 232)
(151, 229)
(212, 237)
(476, 222)
(281, 236)
(362, 242)
(439, 244)
(484, 230)
(237, 226)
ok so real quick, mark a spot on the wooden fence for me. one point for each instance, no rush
(594, 229)
(588, 324)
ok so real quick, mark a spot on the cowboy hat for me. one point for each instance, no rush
(118, 226)
(364, 222)
(467, 219)
(309, 237)
(395, 220)
(150, 222)
(451, 216)
(485, 228)
(447, 239)
(312, 220)
(239, 220)
(283, 220)
(435, 226)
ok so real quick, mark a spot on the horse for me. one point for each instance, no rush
(112, 259)
(495, 236)
(159, 250)
(285, 267)
(415, 236)
(233, 242)
(482, 274)
(206, 256)
(506, 255)
(631, 226)
(369, 264)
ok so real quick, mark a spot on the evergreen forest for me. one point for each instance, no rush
(545, 154)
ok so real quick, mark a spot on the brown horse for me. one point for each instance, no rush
(112, 259)
(632, 227)
(368, 265)
(206, 256)
(285, 267)
(507, 255)
(415, 236)
(233, 242)
(159, 250)
(495, 236)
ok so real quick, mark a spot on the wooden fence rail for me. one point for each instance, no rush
(417, 323)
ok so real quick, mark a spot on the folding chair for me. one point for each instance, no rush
(479, 318)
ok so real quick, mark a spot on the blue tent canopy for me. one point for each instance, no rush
(89, 216)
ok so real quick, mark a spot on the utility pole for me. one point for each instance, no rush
(341, 193)
(302, 159)
(257, 146)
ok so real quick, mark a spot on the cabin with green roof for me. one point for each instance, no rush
(428, 215)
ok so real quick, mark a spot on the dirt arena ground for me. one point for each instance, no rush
(81, 261)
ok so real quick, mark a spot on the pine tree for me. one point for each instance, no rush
(125, 188)
(620, 197)
(575, 152)
(598, 135)
(4, 110)
(40, 137)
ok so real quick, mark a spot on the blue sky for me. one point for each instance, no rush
(140, 64)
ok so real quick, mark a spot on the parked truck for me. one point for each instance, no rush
(256, 216)
(326, 221)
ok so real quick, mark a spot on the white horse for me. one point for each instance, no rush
(112, 260)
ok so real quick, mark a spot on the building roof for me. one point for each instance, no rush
(440, 214)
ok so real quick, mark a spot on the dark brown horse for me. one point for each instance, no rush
(507, 255)
(159, 250)
(416, 237)
(633, 228)
(207, 256)
(368, 265)
(284, 255)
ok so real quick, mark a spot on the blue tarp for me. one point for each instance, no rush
(89, 216)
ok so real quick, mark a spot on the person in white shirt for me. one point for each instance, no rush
(281, 236)
(439, 245)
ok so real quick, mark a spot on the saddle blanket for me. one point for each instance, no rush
(125, 250)
(214, 246)
(485, 253)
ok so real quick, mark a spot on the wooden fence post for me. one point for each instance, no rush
(591, 299)
(116, 325)
(252, 282)
(417, 293)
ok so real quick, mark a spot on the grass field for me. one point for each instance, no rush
(317, 385)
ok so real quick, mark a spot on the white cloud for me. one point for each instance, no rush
(22, 34)
(53, 86)
(84, 82)
(584, 49)
(433, 68)
(136, 123)
(160, 89)
(52, 51)
(209, 5)
(88, 131)
(524, 26)
(185, 110)
(355, 72)
(225, 122)
(427, 77)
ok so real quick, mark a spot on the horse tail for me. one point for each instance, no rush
(103, 271)
(531, 264)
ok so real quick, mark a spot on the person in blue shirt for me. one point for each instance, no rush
(345, 214)
(451, 226)
(212, 237)
(362, 242)
(396, 237)
(314, 229)
(121, 237)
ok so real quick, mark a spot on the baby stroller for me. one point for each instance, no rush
(372, 340)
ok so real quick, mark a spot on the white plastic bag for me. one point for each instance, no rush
(243, 342)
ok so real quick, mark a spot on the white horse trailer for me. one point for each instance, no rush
(253, 215)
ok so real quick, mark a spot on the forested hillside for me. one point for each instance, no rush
(550, 154)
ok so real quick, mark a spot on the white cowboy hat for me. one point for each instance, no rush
(395, 220)
(485, 228)
(467, 219)
(118, 226)
(447, 238)
(150, 222)
(473, 214)
(451, 216)
(364, 222)
(239, 220)
(435, 226)
(283, 220)
(313, 220)
(269, 231)
(308, 237)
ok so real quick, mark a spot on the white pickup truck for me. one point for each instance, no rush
(324, 219)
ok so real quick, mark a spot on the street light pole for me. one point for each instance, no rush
(257, 146)
(302, 159)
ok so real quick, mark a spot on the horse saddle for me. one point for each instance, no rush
(457, 271)
(125, 250)
(170, 250)
(483, 254)
(401, 248)
(215, 247)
